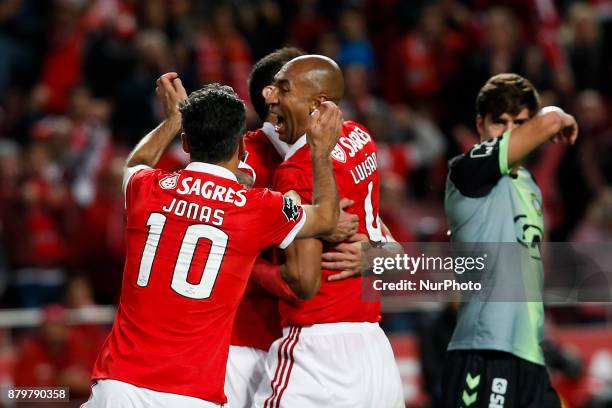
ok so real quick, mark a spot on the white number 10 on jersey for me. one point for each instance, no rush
(193, 234)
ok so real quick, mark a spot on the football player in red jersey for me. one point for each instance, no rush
(192, 239)
(333, 352)
(257, 322)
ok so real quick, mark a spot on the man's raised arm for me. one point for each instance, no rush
(551, 123)
(148, 151)
(322, 134)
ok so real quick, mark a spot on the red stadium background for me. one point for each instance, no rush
(77, 91)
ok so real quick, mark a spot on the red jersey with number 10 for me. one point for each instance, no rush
(190, 250)
(355, 168)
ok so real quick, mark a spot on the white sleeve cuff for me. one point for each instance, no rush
(128, 172)
(294, 231)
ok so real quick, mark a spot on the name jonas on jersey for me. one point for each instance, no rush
(194, 211)
(212, 191)
(364, 169)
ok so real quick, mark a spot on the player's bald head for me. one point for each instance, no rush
(300, 87)
(319, 73)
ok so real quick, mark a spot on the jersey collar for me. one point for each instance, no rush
(301, 142)
(280, 146)
(211, 169)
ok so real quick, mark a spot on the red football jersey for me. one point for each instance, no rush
(190, 250)
(258, 321)
(355, 168)
(264, 152)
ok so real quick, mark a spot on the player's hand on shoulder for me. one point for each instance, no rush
(324, 128)
(170, 92)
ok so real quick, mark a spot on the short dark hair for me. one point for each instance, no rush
(263, 73)
(509, 93)
(213, 120)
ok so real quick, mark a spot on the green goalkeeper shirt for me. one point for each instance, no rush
(484, 203)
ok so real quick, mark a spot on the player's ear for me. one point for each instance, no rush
(270, 94)
(317, 102)
(267, 91)
(185, 143)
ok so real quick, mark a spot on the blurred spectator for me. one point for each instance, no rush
(414, 148)
(597, 225)
(393, 208)
(62, 65)
(407, 141)
(53, 357)
(99, 240)
(108, 50)
(136, 107)
(222, 53)
(153, 15)
(43, 208)
(504, 51)
(355, 47)
(172, 19)
(90, 143)
(586, 168)
(595, 147)
(424, 59)
(79, 298)
(22, 41)
(263, 26)
(360, 105)
(329, 45)
(307, 26)
(585, 49)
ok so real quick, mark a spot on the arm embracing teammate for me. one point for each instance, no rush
(315, 363)
(190, 251)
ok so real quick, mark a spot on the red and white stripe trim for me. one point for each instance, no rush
(283, 368)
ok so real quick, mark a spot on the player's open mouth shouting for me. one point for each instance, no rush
(275, 110)
(280, 124)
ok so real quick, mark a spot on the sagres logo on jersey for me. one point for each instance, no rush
(169, 182)
(338, 154)
(290, 208)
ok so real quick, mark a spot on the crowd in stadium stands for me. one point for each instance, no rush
(77, 91)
